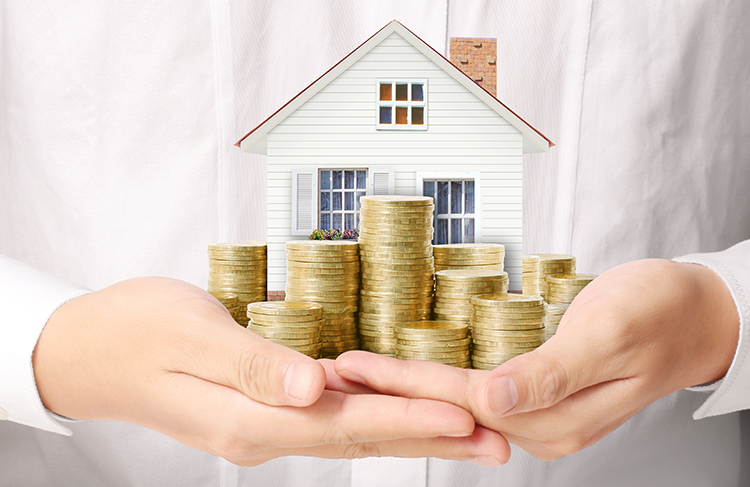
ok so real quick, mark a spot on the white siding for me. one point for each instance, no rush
(337, 128)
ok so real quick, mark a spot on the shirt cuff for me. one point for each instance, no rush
(731, 393)
(28, 297)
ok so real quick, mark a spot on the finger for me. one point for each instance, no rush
(409, 378)
(586, 354)
(484, 447)
(225, 422)
(576, 422)
(228, 354)
(335, 382)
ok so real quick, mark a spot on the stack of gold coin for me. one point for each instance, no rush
(446, 342)
(530, 274)
(469, 256)
(229, 300)
(551, 264)
(562, 288)
(454, 288)
(295, 325)
(397, 267)
(326, 272)
(555, 313)
(240, 269)
(505, 326)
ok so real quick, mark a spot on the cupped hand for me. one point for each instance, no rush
(635, 334)
(166, 355)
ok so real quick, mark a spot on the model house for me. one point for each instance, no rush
(396, 117)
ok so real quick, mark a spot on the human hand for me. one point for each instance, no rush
(635, 334)
(167, 355)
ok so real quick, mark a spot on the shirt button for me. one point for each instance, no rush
(3, 414)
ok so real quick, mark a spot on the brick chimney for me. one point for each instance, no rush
(476, 57)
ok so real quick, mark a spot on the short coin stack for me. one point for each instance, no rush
(229, 300)
(240, 269)
(505, 326)
(445, 342)
(562, 288)
(295, 325)
(454, 288)
(551, 264)
(326, 272)
(397, 267)
(555, 313)
(469, 256)
(530, 274)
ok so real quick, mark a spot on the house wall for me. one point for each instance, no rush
(337, 128)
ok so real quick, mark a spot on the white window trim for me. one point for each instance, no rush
(392, 125)
(447, 176)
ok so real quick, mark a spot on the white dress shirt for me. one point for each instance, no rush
(116, 160)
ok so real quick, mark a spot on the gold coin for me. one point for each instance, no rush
(507, 301)
(396, 200)
(286, 308)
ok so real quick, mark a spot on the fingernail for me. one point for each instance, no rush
(351, 376)
(486, 461)
(502, 395)
(298, 378)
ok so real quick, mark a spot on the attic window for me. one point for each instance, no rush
(401, 105)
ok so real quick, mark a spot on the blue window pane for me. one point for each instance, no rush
(325, 179)
(336, 202)
(348, 179)
(325, 221)
(337, 179)
(336, 221)
(456, 197)
(442, 232)
(469, 197)
(349, 221)
(349, 201)
(468, 230)
(456, 230)
(325, 201)
(416, 92)
(442, 197)
(361, 179)
(385, 115)
(359, 195)
(428, 188)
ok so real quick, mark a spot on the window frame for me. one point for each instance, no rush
(409, 103)
(454, 176)
(343, 212)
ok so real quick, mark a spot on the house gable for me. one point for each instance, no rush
(254, 141)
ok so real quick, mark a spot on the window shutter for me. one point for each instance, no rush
(381, 181)
(304, 199)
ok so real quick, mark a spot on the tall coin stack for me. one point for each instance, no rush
(241, 269)
(295, 325)
(551, 264)
(446, 342)
(397, 267)
(229, 300)
(469, 256)
(505, 326)
(454, 288)
(530, 274)
(563, 288)
(326, 272)
(555, 313)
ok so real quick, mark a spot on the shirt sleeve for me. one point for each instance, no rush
(731, 393)
(28, 297)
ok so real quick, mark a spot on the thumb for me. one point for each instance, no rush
(539, 379)
(262, 370)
